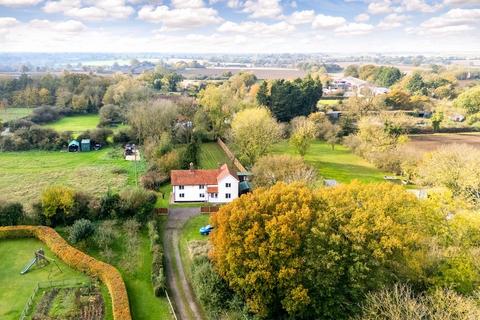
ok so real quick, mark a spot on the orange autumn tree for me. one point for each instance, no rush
(291, 251)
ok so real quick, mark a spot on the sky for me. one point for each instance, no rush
(240, 26)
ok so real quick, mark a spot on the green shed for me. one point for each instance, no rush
(74, 146)
(85, 145)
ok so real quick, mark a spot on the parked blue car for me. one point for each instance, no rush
(205, 231)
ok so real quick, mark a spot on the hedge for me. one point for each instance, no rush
(158, 274)
(80, 261)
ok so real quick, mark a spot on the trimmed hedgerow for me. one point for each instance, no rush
(80, 261)
(158, 274)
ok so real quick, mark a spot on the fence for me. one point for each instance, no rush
(68, 283)
(230, 155)
(161, 211)
(172, 310)
(209, 209)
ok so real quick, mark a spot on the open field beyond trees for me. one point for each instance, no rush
(16, 288)
(430, 142)
(9, 114)
(76, 124)
(25, 175)
(339, 164)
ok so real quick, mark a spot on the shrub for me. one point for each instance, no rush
(99, 136)
(45, 114)
(11, 213)
(152, 180)
(81, 230)
(136, 202)
(109, 205)
(124, 136)
(169, 161)
(158, 275)
(210, 288)
(57, 203)
(104, 235)
(110, 114)
(191, 155)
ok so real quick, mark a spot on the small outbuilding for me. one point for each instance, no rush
(85, 145)
(74, 146)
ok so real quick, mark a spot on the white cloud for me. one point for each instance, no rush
(301, 17)
(351, 29)
(460, 2)
(453, 17)
(176, 19)
(181, 4)
(263, 8)
(380, 7)
(19, 3)
(69, 26)
(6, 22)
(362, 17)
(420, 6)
(393, 20)
(327, 22)
(256, 28)
(90, 10)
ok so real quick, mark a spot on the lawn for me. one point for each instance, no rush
(76, 124)
(9, 114)
(16, 288)
(328, 102)
(339, 164)
(143, 303)
(212, 156)
(24, 175)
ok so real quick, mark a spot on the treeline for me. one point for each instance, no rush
(380, 75)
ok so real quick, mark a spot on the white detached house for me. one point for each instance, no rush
(214, 186)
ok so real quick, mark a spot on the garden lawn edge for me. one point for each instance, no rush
(75, 258)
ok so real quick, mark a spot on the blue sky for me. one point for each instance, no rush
(240, 26)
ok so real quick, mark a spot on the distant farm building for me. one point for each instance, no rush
(85, 145)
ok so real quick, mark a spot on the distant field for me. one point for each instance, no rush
(261, 73)
(24, 175)
(430, 142)
(339, 164)
(10, 114)
(16, 288)
(329, 102)
(76, 124)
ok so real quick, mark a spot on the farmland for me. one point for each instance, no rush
(25, 175)
(430, 142)
(339, 164)
(9, 114)
(15, 255)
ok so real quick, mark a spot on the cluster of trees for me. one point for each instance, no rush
(79, 92)
(380, 75)
(290, 99)
(321, 252)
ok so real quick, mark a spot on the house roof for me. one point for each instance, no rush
(212, 189)
(198, 177)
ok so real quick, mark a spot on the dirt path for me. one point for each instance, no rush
(183, 298)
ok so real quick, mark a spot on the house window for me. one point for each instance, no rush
(181, 187)
(182, 195)
(202, 195)
(201, 186)
(213, 195)
(228, 196)
(228, 185)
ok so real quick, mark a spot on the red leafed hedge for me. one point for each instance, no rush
(80, 261)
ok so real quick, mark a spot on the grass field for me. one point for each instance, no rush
(143, 303)
(76, 124)
(24, 175)
(9, 114)
(190, 231)
(339, 164)
(328, 102)
(16, 288)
